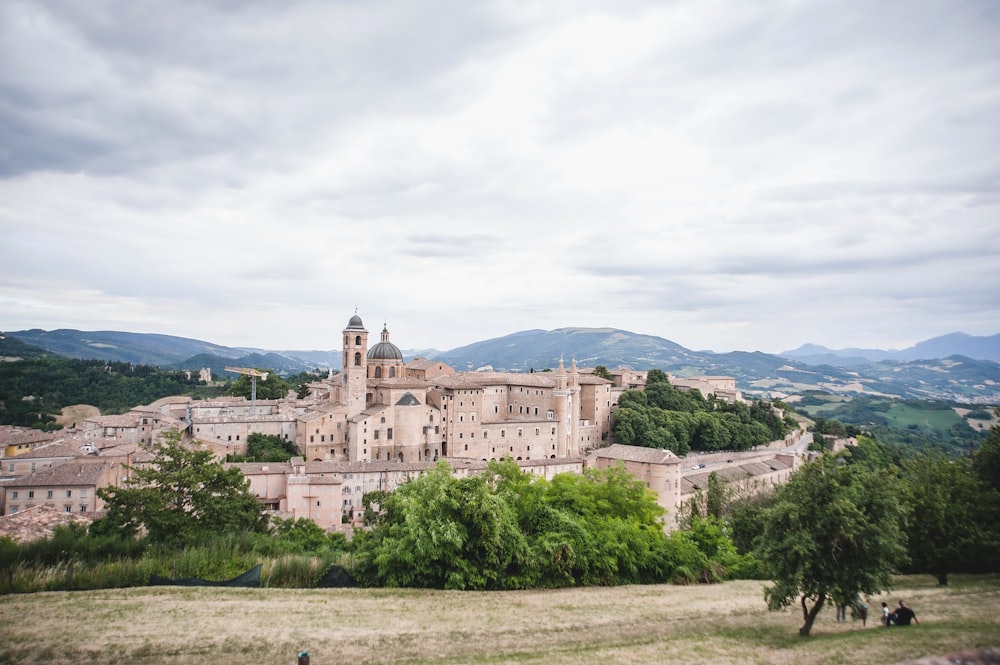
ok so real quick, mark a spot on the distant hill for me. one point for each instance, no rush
(12, 348)
(140, 348)
(953, 344)
(957, 377)
(538, 349)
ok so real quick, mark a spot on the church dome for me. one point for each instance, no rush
(385, 350)
(355, 323)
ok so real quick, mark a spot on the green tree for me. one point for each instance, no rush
(655, 376)
(274, 387)
(438, 531)
(943, 501)
(183, 496)
(833, 533)
(603, 372)
(266, 448)
(986, 460)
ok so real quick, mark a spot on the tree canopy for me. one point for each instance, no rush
(834, 533)
(183, 496)
(505, 529)
(274, 387)
(661, 416)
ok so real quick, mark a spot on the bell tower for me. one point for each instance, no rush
(354, 365)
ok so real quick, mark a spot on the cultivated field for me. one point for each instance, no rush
(726, 623)
(76, 414)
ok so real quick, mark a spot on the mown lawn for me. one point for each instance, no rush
(726, 623)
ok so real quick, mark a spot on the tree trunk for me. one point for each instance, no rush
(942, 579)
(809, 614)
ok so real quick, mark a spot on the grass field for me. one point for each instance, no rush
(73, 415)
(726, 623)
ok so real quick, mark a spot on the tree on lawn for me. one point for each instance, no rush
(183, 496)
(834, 533)
(945, 525)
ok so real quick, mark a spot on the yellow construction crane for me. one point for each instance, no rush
(253, 374)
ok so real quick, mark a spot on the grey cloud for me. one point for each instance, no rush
(181, 80)
(456, 246)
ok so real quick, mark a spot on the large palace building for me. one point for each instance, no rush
(382, 408)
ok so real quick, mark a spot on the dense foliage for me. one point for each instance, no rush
(272, 387)
(294, 554)
(31, 391)
(834, 533)
(506, 529)
(183, 496)
(265, 448)
(662, 416)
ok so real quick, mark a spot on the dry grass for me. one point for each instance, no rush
(725, 623)
(76, 414)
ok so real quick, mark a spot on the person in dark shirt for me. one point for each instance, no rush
(904, 615)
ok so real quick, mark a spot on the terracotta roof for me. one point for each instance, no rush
(113, 421)
(38, 522)
(637, 454)
(592, 379)
(70, 474)
(259, 468)
(10, 436)
(49, 451)
(424, 363)
(480, 379)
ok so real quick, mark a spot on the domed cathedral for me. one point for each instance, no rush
(388, 417)
(384, 409)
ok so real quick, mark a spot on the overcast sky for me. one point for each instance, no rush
(727, 175)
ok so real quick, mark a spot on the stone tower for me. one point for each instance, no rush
(355, 366)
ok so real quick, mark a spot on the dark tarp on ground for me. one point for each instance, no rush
(251, 578)
(336, 577)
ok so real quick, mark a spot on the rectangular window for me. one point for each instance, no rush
(376, 435)
(31, 494)
(389, 436)
(69, 493)
(48, 494)
(68, 509)
(83, 508)
(83, 494)
(13, 494)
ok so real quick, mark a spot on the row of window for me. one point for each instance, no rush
(82, 493)
(67, 507)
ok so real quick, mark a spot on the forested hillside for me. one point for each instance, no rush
(662, 416)
(32, 391)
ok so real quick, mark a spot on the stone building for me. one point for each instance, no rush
(70, 487)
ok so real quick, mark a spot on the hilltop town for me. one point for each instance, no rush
(373, 426)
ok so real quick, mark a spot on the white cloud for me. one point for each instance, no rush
(726, 175)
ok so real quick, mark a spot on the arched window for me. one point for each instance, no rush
(357, 340)
(378, 372)
(357, 360)
(392, 372)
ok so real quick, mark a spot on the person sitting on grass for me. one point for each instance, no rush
(903, 616)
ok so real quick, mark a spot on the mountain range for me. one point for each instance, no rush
(954, 367)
